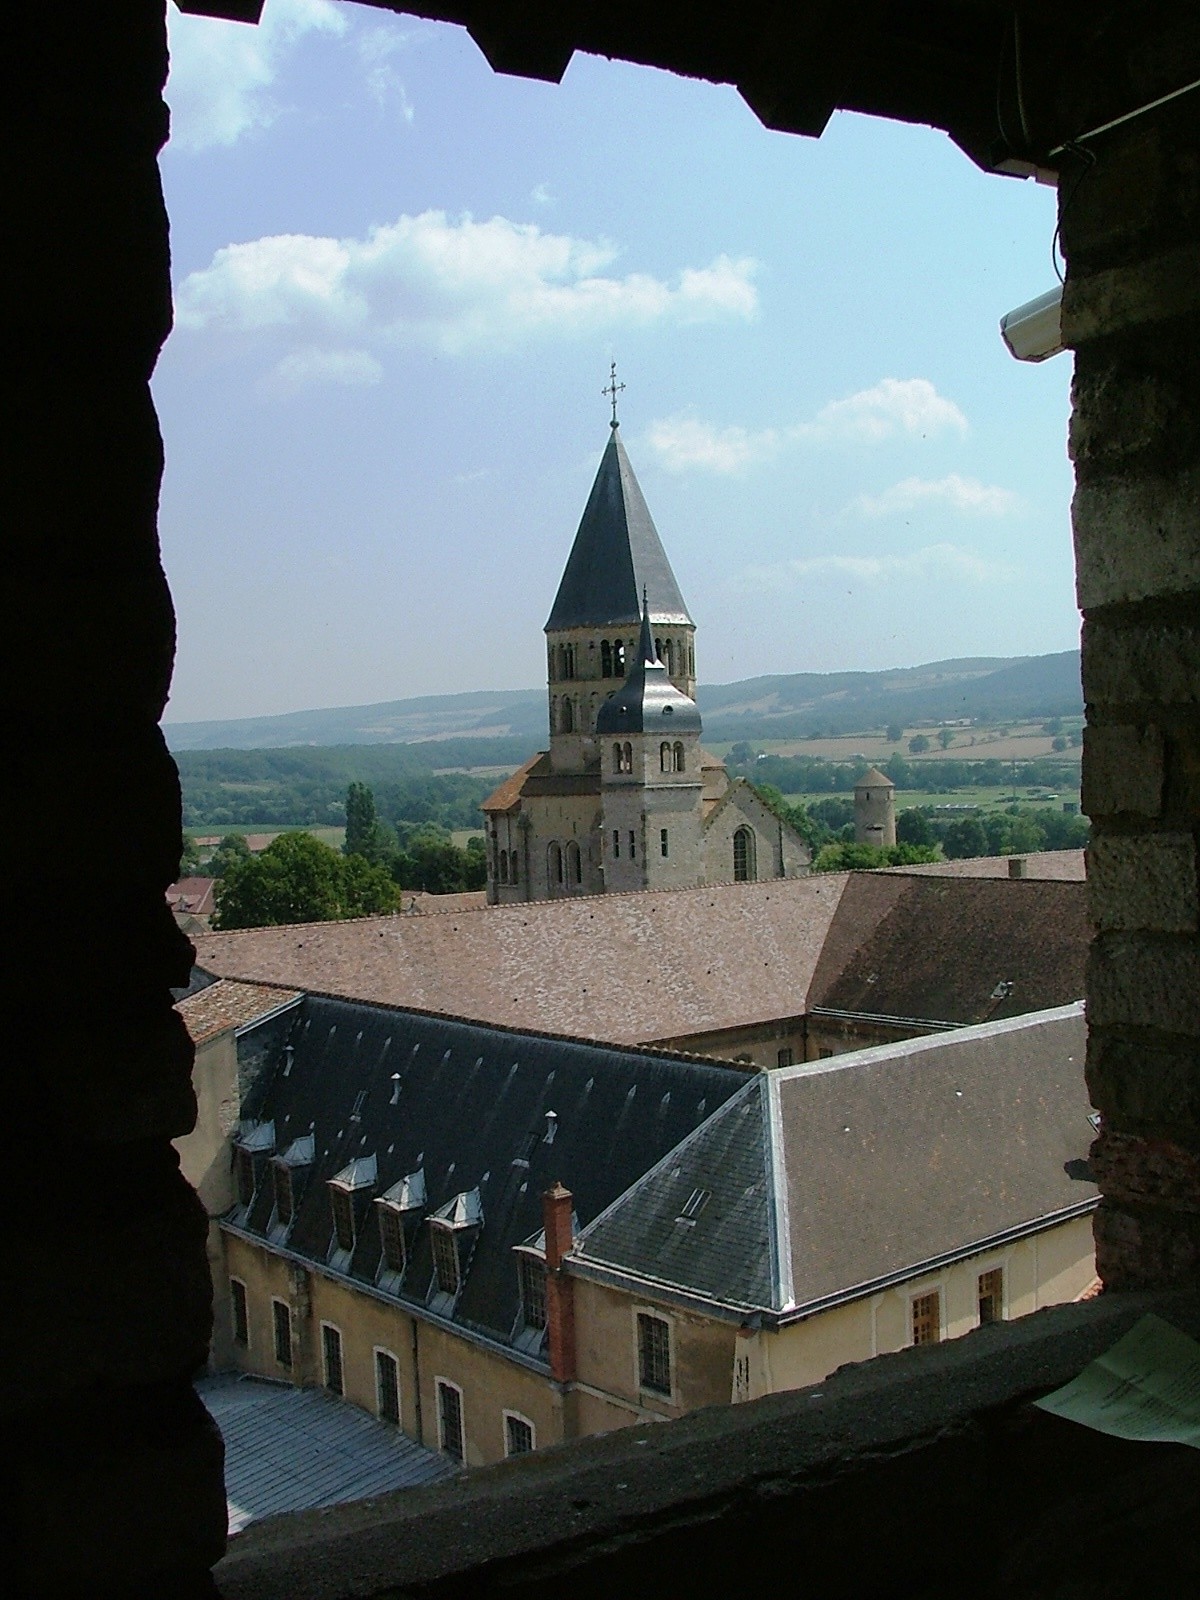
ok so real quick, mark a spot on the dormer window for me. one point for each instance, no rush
(284, 1197)
(299, 1154)
(254, 1141)
(532, 1271)
(345, 1188)
(453, 1228)
(402, 1198)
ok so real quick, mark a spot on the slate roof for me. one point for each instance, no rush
(647, 702)
(616, 554)
(939, 950)
(227, 1004)
(831, 1178)
(723, 957)
(467, 1106)
(296, 1449)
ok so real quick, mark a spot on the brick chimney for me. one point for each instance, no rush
(1016, 866)
(557, 1209)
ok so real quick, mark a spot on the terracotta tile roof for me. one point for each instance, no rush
(953, 950)
(1067, 864)
(507, 794)
(627, 968)
(194, 895)
(228, 1004)
(428, 905)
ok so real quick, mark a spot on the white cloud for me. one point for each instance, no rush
(892, 408)
(376, 45)
(222, 72)
(349, 367)
(959, 494)
(453, 283)
(934, 561)
(541, 196)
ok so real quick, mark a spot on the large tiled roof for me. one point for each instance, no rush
(828, 1179)
(616, 555)
(227, 1004)
(723, 957)
(466, 1106)
(953, 950)
(1068, 864)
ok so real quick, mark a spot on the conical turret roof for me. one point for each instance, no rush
(616, 555)
(647, 702)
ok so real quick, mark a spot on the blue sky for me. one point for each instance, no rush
(400, 280)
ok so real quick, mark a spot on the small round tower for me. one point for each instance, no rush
(875, 809)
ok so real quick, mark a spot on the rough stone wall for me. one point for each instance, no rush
(113, 1470)
(1130, 227)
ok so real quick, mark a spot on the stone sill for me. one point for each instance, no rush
(922, 1473)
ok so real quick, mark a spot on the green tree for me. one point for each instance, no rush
(230, 853)
(945, 738)
(964, 837)
(918, 744)
(430, 860)
(1059, 742)
(914, 827)
(297, 878)
(189, 857)
(894, 732)
(851, 857)
(366, 836)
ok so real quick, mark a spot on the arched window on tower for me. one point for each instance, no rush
(605, 659)
(554, 866)
(627, 757)
(619, 658)
(743, 856)
(617, 758)
(658, 650)
(664, 757)
(669, 658)
(554, 714)
(691, 662)
(550, 654)
(568, 716)
(573, 865)
(568, 651)
(512, 856)
(677, 755)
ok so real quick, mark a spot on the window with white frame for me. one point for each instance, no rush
(926, 1314)
(519, 1437)
(387, 1386)
(239, 1312)
(281, 1327)
(533, 1291)
(331, 1353)
(654, 1353)
(450, 1419)
(991, 1296)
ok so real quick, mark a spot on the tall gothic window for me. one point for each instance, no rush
(606, 659)
(573, 865)
(664, 757)
(627, 757)
(554, 866)
(743, 856)
(677, 754)
(568, 715)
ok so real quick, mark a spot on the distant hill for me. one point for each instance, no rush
(798, 705)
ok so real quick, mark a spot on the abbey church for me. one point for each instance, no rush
(626, 797)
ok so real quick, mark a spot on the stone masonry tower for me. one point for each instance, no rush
(651, 785)
(875, 809)
(594, 624)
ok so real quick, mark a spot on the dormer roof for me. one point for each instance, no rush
(616, 555)
(359, 1174)
(648, 702)
(465, 1210)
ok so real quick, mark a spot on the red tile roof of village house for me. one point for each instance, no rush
(192, 894)
(228, 1004)
(624, 968)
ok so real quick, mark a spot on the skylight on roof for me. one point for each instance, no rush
(694, 1205)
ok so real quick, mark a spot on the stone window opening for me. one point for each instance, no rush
(568, 715)
(554, 866)
(334, 1377)
(665, 759)
(743, 856)
(619, 659)
(518, 1434)
(503, 866)
(568, 659)
(616, 842)
(451, 1440)
(606, 659)
(512, 877)
(677, 752)
(446, 1267)
(632, 845)
(926, 1317)
(627, 757)
(573, 865)
(662, 841)
(391, 1237)
(239, 1312)
(387, 1386)
(281, 1328)
(654, 1353)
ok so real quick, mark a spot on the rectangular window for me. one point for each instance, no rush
(662, 840)
(391, 1238)
(283, 1192)
(387, 1386)
(281, 1317)
(654, 1353)
(244, 1168)
(445, 1259)
(518, 1435)
(343, 1217)
(632, 839)
(991, 1296)
(927, 1318)
(450, 1419)
(784, 1058)
(239, 1312)
(616, 841)
(533, 1292)
(331, 1350)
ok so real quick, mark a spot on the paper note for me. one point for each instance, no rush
(1146, 1387)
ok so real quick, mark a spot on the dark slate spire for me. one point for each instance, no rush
(647, 702)
(617, 553)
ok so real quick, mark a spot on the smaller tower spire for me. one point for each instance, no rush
(612, 388)
(646, 650)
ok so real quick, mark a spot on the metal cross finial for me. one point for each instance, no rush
(613, 389)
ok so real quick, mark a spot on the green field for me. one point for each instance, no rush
(988, 798)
